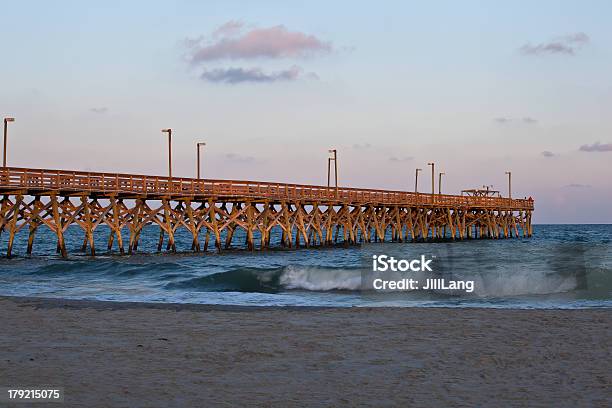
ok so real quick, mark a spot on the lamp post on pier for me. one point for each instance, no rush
(416, 180)
(433, 178)
(6, 121)
(509, 173)
(440, 182)
(198, 145)
(169, 132)
(335, 160)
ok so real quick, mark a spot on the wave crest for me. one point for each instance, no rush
(316, 279)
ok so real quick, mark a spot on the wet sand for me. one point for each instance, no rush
(144, 355)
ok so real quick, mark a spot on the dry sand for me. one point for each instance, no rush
(142, 355)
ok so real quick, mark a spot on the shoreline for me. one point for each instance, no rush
(139, 354)
(97, 304)
(51, 303)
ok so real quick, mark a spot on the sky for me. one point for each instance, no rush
(479, 88)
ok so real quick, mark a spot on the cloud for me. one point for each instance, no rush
(362, 146)
(530, 121)
(576, 185)
(239, 75)
(596, 147)
(547, 153)
(401, 159)
(239, 158)
(228, 29)
(568, 45)
(99, 110)
(229, 42)
(502, 120)
(233, 40)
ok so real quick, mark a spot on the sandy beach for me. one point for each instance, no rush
(147, 355)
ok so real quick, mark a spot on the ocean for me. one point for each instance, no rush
(561, 266)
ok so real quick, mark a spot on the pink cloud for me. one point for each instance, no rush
(272, 42)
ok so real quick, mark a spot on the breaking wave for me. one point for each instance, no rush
(595, 283)
(274, 280)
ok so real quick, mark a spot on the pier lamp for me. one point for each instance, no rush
(335, 160)
(433, 177)
(198, 145)
(509, 173)
(169, 132)
(6, 121)
(440, 182)
(416, 180)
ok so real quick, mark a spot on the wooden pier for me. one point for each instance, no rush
(307, 215)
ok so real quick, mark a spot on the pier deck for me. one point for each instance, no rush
(306, 214)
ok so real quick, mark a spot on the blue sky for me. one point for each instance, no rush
(393, 86)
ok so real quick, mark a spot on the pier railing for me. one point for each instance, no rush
(38, 181)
